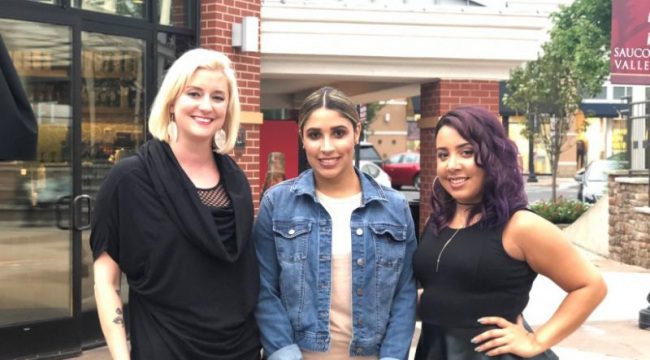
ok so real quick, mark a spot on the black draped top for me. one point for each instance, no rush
(192, 271)
(475, 277)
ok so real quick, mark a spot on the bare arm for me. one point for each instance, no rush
(546, 249)
(109, 305)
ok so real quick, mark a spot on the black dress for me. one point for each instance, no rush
(473, 278)
(192, 271)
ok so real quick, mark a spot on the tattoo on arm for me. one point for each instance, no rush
(119, 319)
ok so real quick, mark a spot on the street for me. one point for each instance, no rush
(541, 190)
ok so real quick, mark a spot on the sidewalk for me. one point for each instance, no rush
(546, 180)
(610, 333)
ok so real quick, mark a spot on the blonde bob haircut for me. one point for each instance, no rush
(176, 80)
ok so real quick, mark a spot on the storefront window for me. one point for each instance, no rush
(35, 246)
(130, 8)
(113, 124)
(621, 91)
(172, 12)
(170, 47)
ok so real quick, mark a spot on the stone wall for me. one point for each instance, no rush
(629, 219)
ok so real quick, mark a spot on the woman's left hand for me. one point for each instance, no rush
(508, 338)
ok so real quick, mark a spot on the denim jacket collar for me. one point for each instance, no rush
(305, 184)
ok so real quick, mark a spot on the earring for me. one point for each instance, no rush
(220, 139)
(172, 129)
(433, 185)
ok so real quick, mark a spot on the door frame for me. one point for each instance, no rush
(67, 336)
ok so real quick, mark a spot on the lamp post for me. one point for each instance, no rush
(532, 121)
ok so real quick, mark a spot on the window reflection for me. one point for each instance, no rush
(172, 12)
(130, 8)
(170, 47)
(35, 263)
(113, 125)
(112, 97)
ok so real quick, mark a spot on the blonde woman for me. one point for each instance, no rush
(176, 219)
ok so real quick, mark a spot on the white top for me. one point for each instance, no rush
(340, 210)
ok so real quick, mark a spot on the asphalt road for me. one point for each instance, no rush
(541, 190)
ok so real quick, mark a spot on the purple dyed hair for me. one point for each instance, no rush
(496, 154)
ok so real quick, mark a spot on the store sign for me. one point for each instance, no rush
(630, 49)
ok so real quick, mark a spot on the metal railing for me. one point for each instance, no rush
(638, 137)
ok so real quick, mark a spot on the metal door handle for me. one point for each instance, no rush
(77, 212)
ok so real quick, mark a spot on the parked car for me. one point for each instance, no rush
(404, 169)
(367, 152)
(593, 179)
(375, 171)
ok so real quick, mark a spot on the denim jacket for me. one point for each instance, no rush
(293, 236)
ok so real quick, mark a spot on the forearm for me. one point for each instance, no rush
(572, 312)
(111, 318)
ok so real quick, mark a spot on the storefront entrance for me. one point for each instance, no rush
(89, 76)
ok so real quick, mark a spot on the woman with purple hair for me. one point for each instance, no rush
(481, 250)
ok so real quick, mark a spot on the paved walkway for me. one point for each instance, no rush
(610, 333)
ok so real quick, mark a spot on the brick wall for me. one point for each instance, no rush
(436, 99)
(629, 220)
(217, 17)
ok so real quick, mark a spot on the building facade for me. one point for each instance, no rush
(90, 69)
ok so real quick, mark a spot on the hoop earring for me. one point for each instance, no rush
(172, 129)
(220, 139)
(433, 185)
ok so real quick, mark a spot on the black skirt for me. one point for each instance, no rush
(437, 343)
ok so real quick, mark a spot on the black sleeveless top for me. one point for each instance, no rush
(475, 277)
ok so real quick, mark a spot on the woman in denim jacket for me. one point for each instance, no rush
(335, 251)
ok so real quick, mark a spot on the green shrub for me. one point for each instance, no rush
(563, 211)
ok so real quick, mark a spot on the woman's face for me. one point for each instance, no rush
(457, 170)
(329, 140)
(200, 109)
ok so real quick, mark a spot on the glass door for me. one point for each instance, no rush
(36, 247)
(112, 128)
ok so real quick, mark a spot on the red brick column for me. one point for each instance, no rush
(217, 17)
(437, 98)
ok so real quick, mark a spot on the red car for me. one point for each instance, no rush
(404, 169)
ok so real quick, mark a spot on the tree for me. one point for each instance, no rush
(371, 112)
(573, 63)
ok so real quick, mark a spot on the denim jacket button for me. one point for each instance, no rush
(359, 231)
(361, 262)
(292, 231)
(360, 291)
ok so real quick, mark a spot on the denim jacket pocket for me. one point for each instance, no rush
(390, 244)
(291, 238)
(291, 243)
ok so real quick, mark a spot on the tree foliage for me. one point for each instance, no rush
(573, 63)
(371, 113)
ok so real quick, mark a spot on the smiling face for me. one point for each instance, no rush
(457, 170)
(329, 140)
(200, 109)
